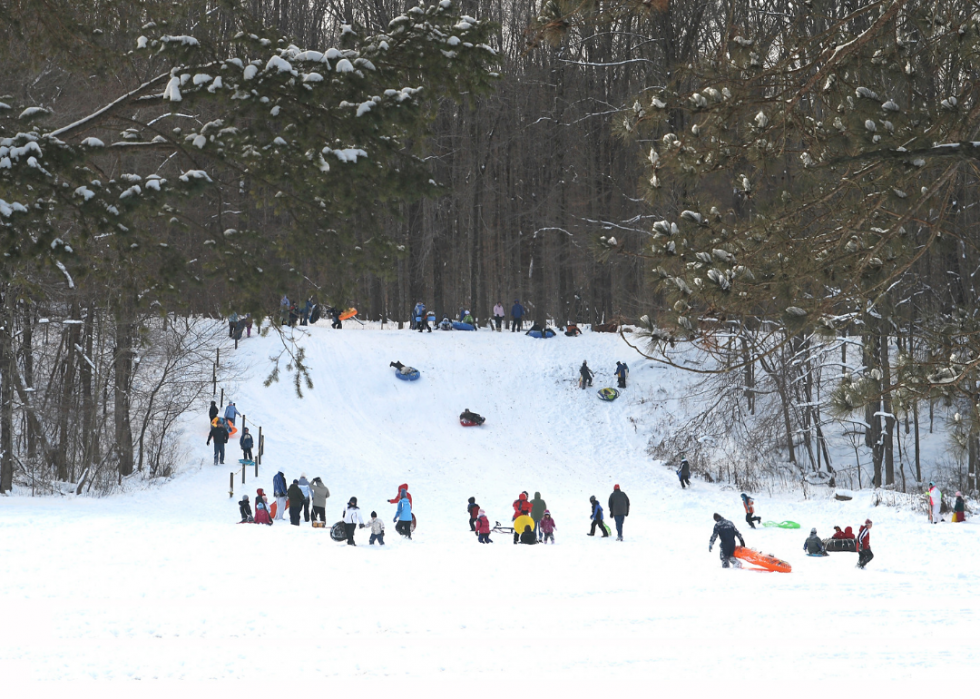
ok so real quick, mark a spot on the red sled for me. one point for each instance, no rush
(469, 423)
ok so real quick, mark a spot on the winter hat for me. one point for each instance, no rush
(472, 501)
(592, 498)
(813, 532)
(717, 517)
(547, 513)
(616, 487)
(260, 491)
(352, 501)
(867, 521)
(482, 512)
(374, 514)
(931, 484)
(959, 494)
(302, 475)
(295, 481)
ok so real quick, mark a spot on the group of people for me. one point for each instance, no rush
(309, 313)
(238, 324)
(815, 546)
(221, 430)
(586, 374)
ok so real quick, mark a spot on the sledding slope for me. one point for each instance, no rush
(162, 583)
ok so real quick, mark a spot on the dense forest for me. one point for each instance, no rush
(787, 188)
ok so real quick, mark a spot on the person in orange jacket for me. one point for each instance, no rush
(522, 506)
(750, 516)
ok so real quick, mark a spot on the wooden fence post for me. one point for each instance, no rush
(214, 379)
(231, 484)
(243, 474)
(221, 403)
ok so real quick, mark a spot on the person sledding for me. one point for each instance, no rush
(468, 416)
(537, 327)
(586, 374)
(262, 508)
(572, 330)
(403, 486)
(521, 525)
(750, 516)
(622, 372)
(725, 530)
(814, 545)
(402, 369)
(468, 318)
(445, 323)
(527, 536)
(597, 517)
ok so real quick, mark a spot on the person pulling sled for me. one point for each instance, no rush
(725, 530)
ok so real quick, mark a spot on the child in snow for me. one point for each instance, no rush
(474, 511)
(684, 473)
(377, 530)
(246, 444)
(864, 544)
(622, 371)
(585, 379)
(959, 509)
(245, 509)
(403, 516)
(527, 537)
(814, 546)
(262, 508)
(483, 528)
(597, 517)
(548, 527)
(749, 505)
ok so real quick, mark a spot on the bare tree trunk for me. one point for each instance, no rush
(122, 361)
(6, 394)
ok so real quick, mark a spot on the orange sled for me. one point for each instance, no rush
(232, 432)
(763, 560)
(348, 314)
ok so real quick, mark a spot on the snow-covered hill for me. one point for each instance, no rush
(163, 583)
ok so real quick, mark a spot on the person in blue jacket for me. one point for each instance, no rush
(246, 444)
(517, 316)
(403, 515)
(597, 517)
(418, 313)
(231, 412)
(622, 371)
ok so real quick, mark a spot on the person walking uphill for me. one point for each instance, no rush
(586, 378)
(619, 508)
(727, 531)
(864, 545)
(538, 508)
(597, 517)
(352, 519)
(622, 372)
(231, 412)
(403, 516)
(295, 495)
(318, 495)
(279, 491)
(684, 473)
(246, 444)
(517, 316)
(212, 412)
(219, 433)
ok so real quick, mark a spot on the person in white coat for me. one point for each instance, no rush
(935, 502)
(498, 315)
(352, 519)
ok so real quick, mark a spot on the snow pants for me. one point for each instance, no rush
(306, 510)
(516, 324)
(727, 554)
(622, 382)
(294, 510)
(685, 480)
(499, 321)
(219, 452)
(380, 538)
(319, 512)
(247, 454)
(864, 557)
(280, 507)
(936, 517)
(484, 538)
(598, 523)
(350, 529)
(404, 527)
(550, 536)
(751, 519)
(473, 521)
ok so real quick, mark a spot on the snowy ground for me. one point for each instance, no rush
(164, 584)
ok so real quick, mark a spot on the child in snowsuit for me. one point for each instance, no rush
(622, 371)
(262, 508)
(684, 473)
(864, 544)
(246, 444)
(548, 527)
(377, 530)
(750, 516)
(352, 519)
(727, 531)
(935, 503)
(597, 517)
(245, 509)
(959, 509)
(527, 537)
(586, 375)
(483, 528)
(474, 511)
(814, 546)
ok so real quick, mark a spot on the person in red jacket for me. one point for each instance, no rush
(848, 533)
(483, 528)
(864, 544)
(838, 534)
(403, 486)
(522, 506)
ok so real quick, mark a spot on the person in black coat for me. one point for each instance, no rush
(684, 473)
(245, 508)
(246, 444)
(212, 412)
(619, 508)
(587, 375)
(296, 500)
(219, 433)
(527, 536)
(727, 531)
